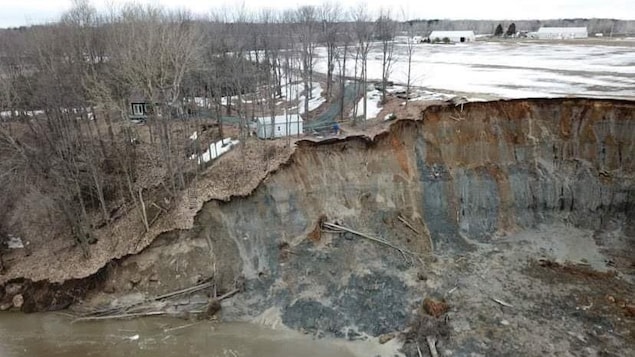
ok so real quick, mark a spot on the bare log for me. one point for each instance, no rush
(432, 346)
(403, 252)
(403, 220)
(120, 316)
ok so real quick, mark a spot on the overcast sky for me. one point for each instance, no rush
(25, 12)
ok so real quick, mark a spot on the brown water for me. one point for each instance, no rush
(53, 335)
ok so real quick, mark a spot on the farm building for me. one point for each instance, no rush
(279, 126)
(560, 33)
(452, 36)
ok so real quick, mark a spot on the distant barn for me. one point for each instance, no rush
(561, 33)
(452, 36)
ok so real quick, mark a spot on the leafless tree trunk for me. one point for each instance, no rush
(330, 15)
(386, 28)
(307, 18)
(410, 50)
(364, 33)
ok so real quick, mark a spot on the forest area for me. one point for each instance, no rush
(71, 159)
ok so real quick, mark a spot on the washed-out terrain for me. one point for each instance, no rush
(516, 217)
(494, 228)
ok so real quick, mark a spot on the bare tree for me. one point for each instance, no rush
(363, 34)
(385, 28)
(341, 56)
(410, 49)
(330, 16)
(155, 61)
(307, 20)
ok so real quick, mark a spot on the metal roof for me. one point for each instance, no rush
(441, 34)
(562, 29)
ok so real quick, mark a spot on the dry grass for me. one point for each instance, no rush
(237, 173)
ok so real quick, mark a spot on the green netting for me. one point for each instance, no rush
(326, 119)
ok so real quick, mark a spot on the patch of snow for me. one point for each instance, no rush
(194, 136)
(15, 242)
(215, 150)
(372, 106)
(315, 100)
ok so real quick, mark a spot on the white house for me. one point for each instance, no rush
(453, 36)
(561, 33)
(279, 126)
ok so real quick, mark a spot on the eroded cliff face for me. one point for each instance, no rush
(460, 177)
(536, 178)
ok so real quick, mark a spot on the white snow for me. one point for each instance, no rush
(194, 136)
(15, 242)
(215, 150)
(512, 70)
(372, 105)
(315, 100)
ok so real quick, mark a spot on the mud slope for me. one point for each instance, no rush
(461, 178)
(479, 193)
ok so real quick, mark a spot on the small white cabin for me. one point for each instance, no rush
(561, 33)
(453, 36)
(279, 126)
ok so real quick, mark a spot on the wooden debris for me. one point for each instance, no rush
(502, 302)
(404, 252)
(148, 307)
(432, 342)
(180, 327)
(386, 337)
(403, 220)
(121, 316)
(229, 294)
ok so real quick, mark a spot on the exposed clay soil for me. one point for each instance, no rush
(519, 215)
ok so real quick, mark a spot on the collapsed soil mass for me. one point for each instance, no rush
(518, 215)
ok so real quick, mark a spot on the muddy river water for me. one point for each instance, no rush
(53, 335)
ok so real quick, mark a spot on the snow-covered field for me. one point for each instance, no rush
(513, 70)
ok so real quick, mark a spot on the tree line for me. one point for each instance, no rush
(69, 152)
(604, 26)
